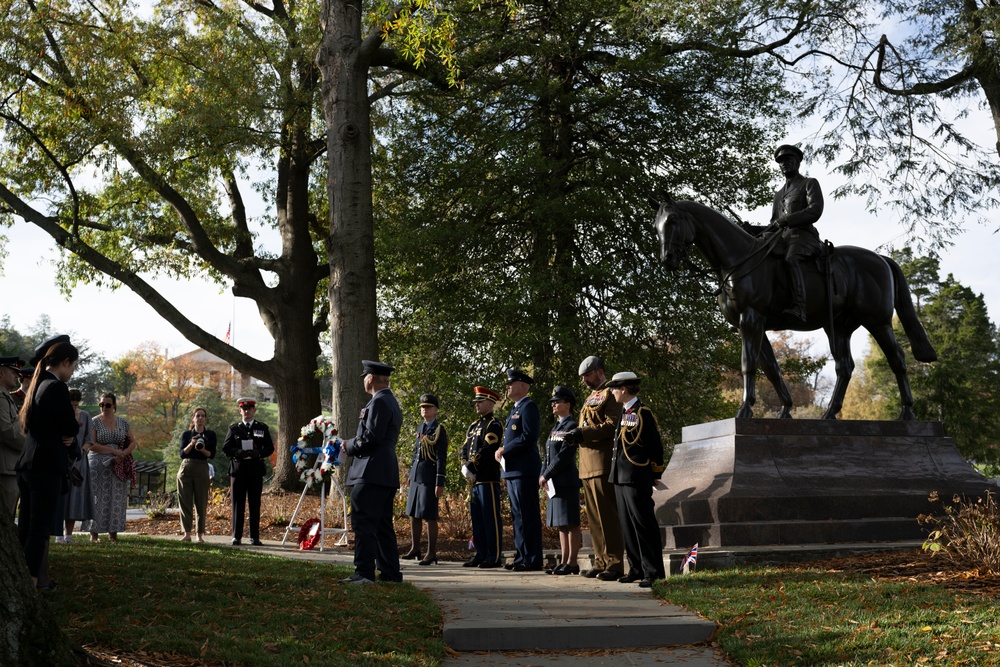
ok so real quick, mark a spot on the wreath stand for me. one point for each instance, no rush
(335, 489)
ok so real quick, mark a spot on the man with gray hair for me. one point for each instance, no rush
(595, 436)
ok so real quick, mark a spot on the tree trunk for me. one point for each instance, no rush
(31, 636)
(353, 320)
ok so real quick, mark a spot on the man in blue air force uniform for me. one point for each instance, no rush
(374, 478)
(521, 468)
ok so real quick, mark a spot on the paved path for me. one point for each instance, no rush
(496, 618)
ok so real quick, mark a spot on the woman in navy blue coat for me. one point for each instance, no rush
(560, 474)
(50, 428)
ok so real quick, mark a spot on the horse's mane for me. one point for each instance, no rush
(710, 214)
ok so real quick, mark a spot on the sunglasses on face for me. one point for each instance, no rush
(105, 405)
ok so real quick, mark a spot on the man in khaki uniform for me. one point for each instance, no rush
(11, 436)
(595, 436)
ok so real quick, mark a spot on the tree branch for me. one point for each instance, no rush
(144, 290)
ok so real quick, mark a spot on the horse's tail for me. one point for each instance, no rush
(919, 343)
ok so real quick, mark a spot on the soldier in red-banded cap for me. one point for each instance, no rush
(479, 464)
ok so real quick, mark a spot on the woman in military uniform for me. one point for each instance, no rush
(427, 475)
(559, 473)
(636, 464)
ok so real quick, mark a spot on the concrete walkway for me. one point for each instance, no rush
(502, 619)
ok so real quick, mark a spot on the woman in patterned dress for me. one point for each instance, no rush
(112, 470)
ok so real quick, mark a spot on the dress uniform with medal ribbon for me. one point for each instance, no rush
(636, 464)
(522, 465)
(479, 464)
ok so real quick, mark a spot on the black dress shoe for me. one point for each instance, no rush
(237, 541)
(511, 566)
(609, 575)
(431, 558)
(629, 578)
(527, 568)
(569, 569)
(256, 543)
(474, 562)
(646, 583)
(558, 569)
(489, 565)
(412, 553)
(590, 574)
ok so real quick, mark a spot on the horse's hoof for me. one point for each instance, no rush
(906, 414)
(745, 413)
(786, 413)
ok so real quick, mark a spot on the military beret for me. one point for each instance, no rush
(12, 362)
(376, 368)
(561, 393)
(591, 363)
(515, 375)
(247, 403)
(787, 149)
(44, 348)
(484, 394)
(428, 399)
(623, 379)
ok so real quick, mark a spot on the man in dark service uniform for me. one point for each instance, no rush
(374, 480)
(479, 464)
(636, 464)
(797, 205)
(248, 442)
(521, 467)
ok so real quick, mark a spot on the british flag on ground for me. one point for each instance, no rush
(690, 560)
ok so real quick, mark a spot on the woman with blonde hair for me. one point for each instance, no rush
(198, 445)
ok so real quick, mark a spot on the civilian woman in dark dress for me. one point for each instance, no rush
(559, 468)
(50, 428)
(80, 501)
(198, 445)
(427, 474)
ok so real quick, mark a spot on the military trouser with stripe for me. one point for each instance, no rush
(487, 524)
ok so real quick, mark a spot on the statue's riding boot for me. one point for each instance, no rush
(798, 309)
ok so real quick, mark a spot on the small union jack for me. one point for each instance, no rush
(692, 557)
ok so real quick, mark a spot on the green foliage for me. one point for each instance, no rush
(962, 388)
(968, 533)
(823, 618)
(195, 601)
(511, 221)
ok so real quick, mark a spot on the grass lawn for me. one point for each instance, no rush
(235, 607)
(773, 617)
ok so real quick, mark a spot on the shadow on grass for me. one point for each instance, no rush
(236, 606)
(783, 617)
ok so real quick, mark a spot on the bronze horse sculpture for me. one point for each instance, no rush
(864, 288)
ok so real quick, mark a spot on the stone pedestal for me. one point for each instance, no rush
(746, 482)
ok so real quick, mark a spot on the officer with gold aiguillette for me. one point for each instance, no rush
(479, 464)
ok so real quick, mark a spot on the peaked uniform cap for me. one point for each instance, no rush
(247, 402)
(12, 362)
(563, 393)
(623, 379)
(44, 348)
(376, 368)
(787, 149)
(484, 394)
(428, 399)
(515, 375)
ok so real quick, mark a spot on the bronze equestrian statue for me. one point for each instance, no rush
(861, 289)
